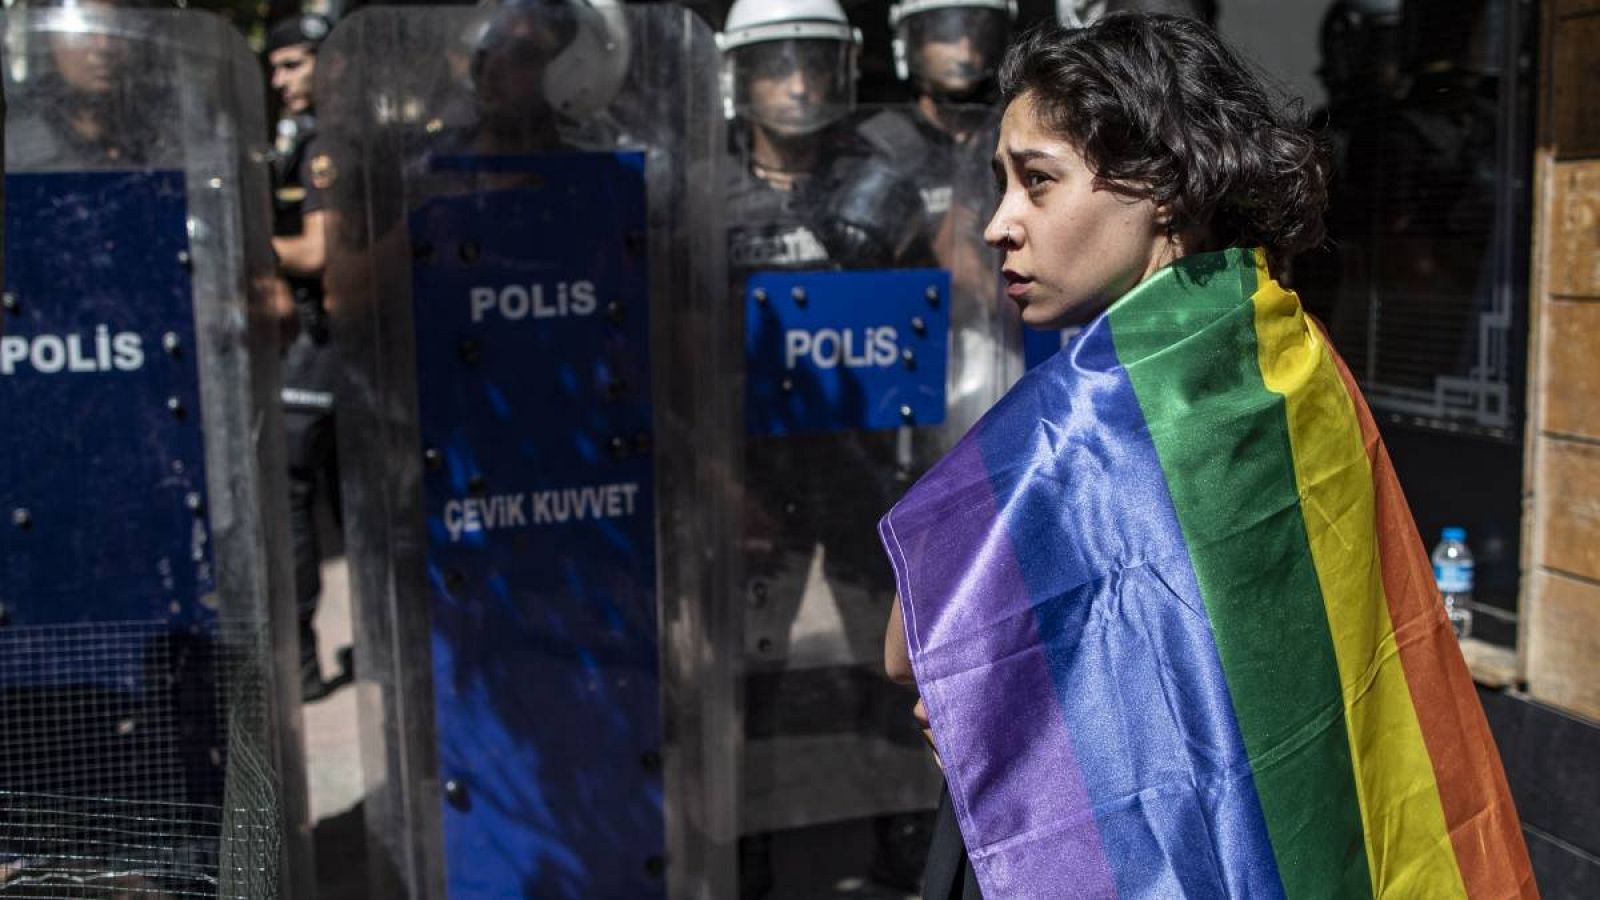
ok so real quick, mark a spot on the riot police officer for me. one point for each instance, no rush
(949, 50)
(144, 557)
(789, 75)
(81, 84)
(301, 172)
(1078, 13)
(806, 191)
(530, 158)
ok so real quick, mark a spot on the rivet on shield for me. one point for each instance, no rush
(932, 296)
(918, 325)
(619, 447)
(910, 358)
(193, 503)
(799, 295)
(21, 518)
(433, 459)
(614, 311)
(906, 413)
(787, 384)
(469, 252)
(185, 259)
(760, 295)
(175, 406)
(469, 352)
(9, 301)
(456, 793)
(171, 343)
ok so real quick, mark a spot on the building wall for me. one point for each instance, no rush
(1561, 625)
(1280, 36)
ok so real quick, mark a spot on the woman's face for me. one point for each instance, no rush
(1071, 248)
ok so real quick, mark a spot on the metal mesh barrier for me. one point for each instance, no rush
(133, 764)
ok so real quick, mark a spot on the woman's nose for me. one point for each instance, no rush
(999, 232)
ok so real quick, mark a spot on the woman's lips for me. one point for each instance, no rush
(1017, 285)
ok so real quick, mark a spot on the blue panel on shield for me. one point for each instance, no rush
(102, 467)
(531, 310)
(841, 351)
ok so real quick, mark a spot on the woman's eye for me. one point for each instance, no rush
(1035, 179)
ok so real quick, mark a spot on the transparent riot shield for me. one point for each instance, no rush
(145, 743)
(525, 277)
(874, 338)
(2, 183)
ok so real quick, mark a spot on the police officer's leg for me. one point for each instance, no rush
(304, 435)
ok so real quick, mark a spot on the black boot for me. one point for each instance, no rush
(312, 687)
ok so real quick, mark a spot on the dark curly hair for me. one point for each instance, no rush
(1162, 109)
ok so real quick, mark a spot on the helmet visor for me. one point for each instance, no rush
(794, 86)
(955, 50)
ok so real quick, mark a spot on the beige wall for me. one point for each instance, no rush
(1561, 620)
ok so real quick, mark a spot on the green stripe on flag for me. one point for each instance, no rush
(1234, 487)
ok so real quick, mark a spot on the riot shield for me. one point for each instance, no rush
(526, 295)
(145, 743)
(875, 336)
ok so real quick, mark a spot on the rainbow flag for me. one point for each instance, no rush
(1177, 634)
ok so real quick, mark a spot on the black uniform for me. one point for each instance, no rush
(936, 162)
(46, 139)
(301, 173)
(773, 230)
(827, 490)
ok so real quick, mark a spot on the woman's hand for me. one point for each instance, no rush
(896, 655)
(897, 664)
(920, 713)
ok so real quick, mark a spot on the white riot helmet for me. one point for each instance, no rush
(974, 34)
(807, 45)
(1079, 13)
(582, 46)
(1083, 13)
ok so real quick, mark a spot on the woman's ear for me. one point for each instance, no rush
(1163, 220)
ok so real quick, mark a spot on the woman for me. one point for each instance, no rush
(1172, 625)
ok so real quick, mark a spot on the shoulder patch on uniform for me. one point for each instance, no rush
(323, 172)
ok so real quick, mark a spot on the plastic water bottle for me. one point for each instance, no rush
(1452, 570)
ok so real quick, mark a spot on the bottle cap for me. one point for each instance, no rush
(1454, 534)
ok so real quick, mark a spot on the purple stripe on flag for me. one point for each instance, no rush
(1017, 774)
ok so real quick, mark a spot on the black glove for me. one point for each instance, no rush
(871, 216)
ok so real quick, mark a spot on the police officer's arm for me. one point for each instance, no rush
(304, 254)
